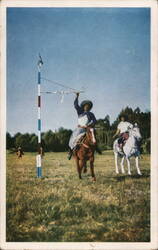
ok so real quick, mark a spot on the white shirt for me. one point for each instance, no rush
(83, 120)
(124, 126)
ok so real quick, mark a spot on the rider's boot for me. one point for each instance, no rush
(70, 153)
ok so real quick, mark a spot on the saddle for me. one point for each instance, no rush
(125, 136)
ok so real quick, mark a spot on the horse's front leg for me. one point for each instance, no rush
(137, 165)
(116, 163)
(78, 166)
(81, 165)
(128, 165)
(122, 165)
(92, 169)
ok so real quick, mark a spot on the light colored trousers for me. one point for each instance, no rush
(76, 135)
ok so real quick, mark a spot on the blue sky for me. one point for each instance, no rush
(104, 50)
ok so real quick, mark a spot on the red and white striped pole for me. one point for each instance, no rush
(39, 156)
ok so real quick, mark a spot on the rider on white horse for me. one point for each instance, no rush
(85, 119)
(122, 130)
(130, 148)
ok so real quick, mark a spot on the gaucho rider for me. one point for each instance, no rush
(123, 130)
(85, 119)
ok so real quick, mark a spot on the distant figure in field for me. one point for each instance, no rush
(20, 152)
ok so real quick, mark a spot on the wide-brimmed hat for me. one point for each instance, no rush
(86, 102)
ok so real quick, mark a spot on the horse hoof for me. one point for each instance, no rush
(140, 173)
(85, 170)
(129, 173)
(117, 172)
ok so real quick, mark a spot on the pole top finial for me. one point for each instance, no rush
(40, 61)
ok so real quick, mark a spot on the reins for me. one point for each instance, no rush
(82, 143)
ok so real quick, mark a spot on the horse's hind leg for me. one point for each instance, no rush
(128, 164)
(122, 166)
(137, 166)
(116, 163)
(85, 168)
(92, 170)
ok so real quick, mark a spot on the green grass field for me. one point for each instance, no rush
(60, 207)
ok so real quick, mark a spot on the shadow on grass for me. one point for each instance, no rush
(134, 176)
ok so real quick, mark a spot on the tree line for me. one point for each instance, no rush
(58, 141)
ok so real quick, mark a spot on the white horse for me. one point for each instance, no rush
(129, 149)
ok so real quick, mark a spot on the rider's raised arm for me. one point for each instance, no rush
(77, 107)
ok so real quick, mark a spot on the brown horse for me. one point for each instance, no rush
(85, 152)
